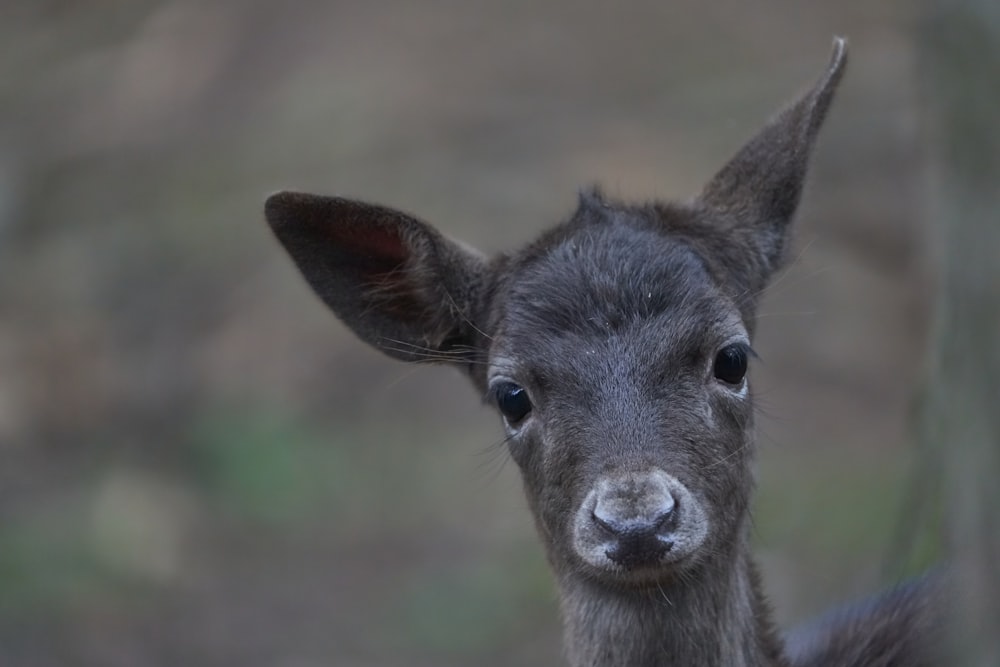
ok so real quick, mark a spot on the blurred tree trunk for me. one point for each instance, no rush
(959, 43)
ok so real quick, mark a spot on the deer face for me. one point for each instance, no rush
(618, 364)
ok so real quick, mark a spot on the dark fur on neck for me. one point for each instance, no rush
(716, 616)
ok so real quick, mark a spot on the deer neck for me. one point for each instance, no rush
(717, 617)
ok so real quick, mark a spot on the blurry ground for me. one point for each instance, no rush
(200, 466)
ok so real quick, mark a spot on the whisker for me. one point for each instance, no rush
(663, 594)
(420, 348)
(465, 319)
(403, 376)
(495, 457)
(738, 450)
(432, 357)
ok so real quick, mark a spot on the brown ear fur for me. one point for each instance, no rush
(394, 280)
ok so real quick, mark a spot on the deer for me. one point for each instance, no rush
(616, 348)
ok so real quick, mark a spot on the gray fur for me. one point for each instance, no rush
(635, 457)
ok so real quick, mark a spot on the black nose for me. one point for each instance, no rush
(637, 540)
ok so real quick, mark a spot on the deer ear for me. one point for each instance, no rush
(755, 195)
(395, 281)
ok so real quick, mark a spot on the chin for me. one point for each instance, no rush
(654, 574)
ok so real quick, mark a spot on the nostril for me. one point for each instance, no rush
(610, 520)
(607, 526)
(667, 518)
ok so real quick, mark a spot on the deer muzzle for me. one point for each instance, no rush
(638, 521)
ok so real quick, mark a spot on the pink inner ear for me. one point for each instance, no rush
(383, 246)
(377, 254)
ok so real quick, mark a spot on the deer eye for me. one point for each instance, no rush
(513, 401)
(731, 364)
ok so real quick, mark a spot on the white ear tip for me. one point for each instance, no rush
(839, 49)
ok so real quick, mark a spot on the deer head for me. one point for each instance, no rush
(615, 347)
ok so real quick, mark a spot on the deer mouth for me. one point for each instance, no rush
(638, 525)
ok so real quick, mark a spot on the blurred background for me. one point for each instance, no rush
(201, 466)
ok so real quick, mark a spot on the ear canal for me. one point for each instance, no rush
(758, 190)
(394, 280)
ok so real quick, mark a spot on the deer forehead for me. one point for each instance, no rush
(613, 288)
